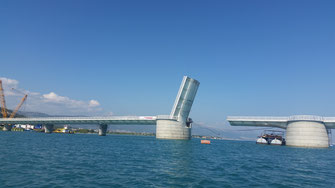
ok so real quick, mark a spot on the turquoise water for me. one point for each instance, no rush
(81, 160)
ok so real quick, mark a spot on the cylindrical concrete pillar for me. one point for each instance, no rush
(48, 128)
(172, 129)
(102, 129)
(306, 134)
(7, 128)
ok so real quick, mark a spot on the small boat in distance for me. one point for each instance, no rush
(261, 140)
(205, 142)
(271, 137)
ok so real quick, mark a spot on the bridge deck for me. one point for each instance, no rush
(260, 121)
(280, 122)
(145, 120)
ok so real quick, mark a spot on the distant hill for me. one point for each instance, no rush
(40, 114)
(34, 114)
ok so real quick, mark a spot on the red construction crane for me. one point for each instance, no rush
(3, 102)
(18, 106)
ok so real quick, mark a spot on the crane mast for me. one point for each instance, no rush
(3, 102)
(18, 106)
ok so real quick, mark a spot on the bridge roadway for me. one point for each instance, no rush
(280, 122)
(126, 120)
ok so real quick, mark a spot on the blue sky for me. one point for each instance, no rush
(252, 57)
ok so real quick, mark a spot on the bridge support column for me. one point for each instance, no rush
(7, 127)
(306, 134)
(48, 128)
(172, 129)
(103, 129)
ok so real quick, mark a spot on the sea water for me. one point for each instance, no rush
(29, 159)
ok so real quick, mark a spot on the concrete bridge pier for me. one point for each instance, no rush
(7, 127)
(103, 129)
(307, 134)
(48, 128)
(172, 129)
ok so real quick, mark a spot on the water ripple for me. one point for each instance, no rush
(58, 160)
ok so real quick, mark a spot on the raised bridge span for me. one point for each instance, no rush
(177, 125)
(301, 130)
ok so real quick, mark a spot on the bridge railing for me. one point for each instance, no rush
(256, 118)
(87, 118)
(166, 117)
(305, 118)
(329, 119)
(270, 118)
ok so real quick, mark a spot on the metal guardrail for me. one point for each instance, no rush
(82, 120)
(256, 118)
(281, 119)
(330, 119)
(86, 118)
(166, 117)
(305, 118)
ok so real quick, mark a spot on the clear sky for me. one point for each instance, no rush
(128, 57)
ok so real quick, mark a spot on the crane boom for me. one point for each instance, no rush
(18, 106)
(3, 102)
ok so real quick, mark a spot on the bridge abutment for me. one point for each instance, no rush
(103, 129)
(48, 128)
(172, 129)
(307, 134)
(7, 127)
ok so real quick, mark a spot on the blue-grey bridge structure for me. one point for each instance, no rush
(177, 125)
(301, 130)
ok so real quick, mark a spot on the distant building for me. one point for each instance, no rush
(25, 127)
